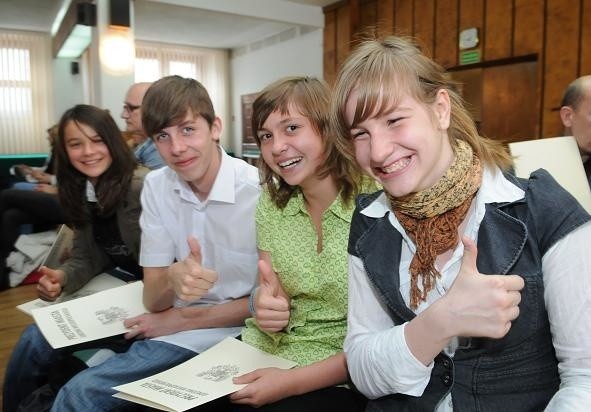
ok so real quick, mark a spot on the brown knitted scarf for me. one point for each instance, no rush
(432, 217)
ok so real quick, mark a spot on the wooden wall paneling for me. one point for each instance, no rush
(509, 111)
(498, 29)
(403, 17)
(560, 59)
(330, 46)
(472, 15)
(528, 30)
(424, 21)
(585, 42)
(446, 32)
(343, 41)
(385, 15)
(368, 16)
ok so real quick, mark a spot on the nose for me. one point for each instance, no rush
(279, 144)
(380, 148)
(177, 144)
(87, 148)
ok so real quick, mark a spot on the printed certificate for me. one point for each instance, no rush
(98, 283)
(91, 317)
(206, 377)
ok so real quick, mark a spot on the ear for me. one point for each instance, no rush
(442, 108)
(566, 115)
(216, 129)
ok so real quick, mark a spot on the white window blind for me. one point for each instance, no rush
(25, 90)
(208, 66)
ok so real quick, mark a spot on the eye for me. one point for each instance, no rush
(160, 137)
(358, 134)
(187, 130)
(392, 122)
(292, 128)
(263, 137)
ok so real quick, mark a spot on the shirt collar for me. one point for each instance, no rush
(495, 188)
(223, 186)
(296, 205)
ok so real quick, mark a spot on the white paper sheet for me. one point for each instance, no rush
(206, 377)
(98, 283)
(560, 157)
(91, 317)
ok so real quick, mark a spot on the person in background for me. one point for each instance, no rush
(100, 184)
(303, 218)
(575, 113)
(198, 247)
(143, 147)
(468, 287)
(39, 178)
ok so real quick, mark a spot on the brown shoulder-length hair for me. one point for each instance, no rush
(382, 70)
(112, 185)
(310, 96)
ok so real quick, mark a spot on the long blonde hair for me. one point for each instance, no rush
(381, 71)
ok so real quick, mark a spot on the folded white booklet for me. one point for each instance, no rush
(98, 283)
(206, 377)
(91, 317)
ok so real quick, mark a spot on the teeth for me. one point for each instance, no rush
(400, 164)
(290, 162)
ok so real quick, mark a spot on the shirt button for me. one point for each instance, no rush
(446, 379)
(446, 363)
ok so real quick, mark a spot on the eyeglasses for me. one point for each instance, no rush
(130, 108)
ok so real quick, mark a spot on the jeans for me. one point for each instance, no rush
(91, 389)
(28, 367)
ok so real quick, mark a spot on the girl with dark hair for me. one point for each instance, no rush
(99, 190)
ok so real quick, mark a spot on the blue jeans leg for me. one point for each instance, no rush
(91, 389)
(27, 368)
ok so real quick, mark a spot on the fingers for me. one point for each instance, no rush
(195, 249)
(50, 284)
(268, 278)
(469, 257)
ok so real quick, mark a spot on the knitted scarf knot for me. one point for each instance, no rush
(432, 216)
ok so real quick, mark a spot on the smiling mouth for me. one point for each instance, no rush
(396, 166)
(290, 163)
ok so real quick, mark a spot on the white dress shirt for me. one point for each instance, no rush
(381, 363)
(224, 225)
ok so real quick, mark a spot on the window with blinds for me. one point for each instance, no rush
(208, 66)
(25, 87)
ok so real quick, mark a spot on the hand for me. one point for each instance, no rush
(151, 325)
(40, 176)
(263, 386)
(189, 280)
(24, 169)
(271, 303)
(46, 188)
(481, 305)
(50, 284)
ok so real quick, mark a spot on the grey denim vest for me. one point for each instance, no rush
(518, 372)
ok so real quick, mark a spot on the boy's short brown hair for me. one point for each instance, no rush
(167, 101)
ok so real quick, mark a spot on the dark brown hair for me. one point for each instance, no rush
(167, 101)
(112, 185)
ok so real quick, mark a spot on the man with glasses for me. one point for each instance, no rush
(145, 151)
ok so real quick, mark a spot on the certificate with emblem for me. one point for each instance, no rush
(206, 377)
(89, 318)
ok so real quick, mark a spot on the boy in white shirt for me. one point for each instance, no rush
(198, 246)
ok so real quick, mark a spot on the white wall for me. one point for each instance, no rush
(252, 71)
(68, 89)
